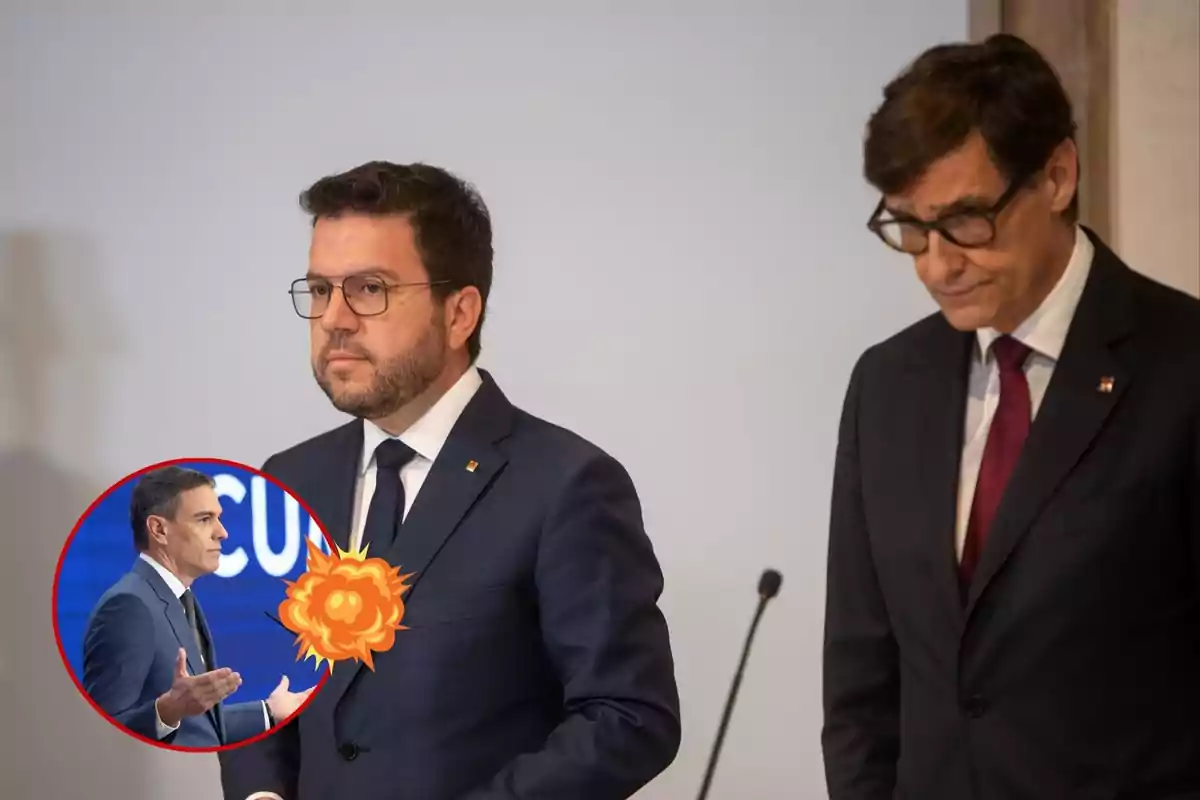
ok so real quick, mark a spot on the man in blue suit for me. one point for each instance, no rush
(149, 660)
(535, 662)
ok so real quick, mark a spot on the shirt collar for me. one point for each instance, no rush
(1045, 331)
(173, 582)
(428, 434)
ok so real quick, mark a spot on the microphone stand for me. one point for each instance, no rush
(763, 597)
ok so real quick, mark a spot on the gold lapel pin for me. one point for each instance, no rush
(1106, 384)
(471, 465)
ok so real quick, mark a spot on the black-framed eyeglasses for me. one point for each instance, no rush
(968, 228)
(366, 295)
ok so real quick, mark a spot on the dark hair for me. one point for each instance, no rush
(1003, 88)
(157, 494)
(450, 221)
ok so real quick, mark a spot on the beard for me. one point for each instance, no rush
(396, 381)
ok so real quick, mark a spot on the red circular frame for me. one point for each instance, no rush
(54, 604)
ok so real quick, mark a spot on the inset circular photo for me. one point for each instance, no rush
(167, 604)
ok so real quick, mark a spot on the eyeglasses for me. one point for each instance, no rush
(365, 295)
(974, 228)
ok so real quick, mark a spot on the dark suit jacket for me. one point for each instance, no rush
(130, 646)
(536, 663)
(1072, 670)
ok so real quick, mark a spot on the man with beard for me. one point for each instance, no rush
(535, 661)
(149, 656)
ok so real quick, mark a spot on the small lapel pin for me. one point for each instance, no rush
(1106, 384)
(471, 465)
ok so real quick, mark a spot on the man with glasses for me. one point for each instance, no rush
(149, 656)
(534, 660)
(1013, 593)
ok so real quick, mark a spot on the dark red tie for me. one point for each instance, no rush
(1009, 429)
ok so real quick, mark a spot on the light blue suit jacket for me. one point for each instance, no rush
(130, 646)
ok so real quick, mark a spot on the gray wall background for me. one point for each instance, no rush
(683, 275)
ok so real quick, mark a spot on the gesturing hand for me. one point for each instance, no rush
(284, 703)
(191, 695)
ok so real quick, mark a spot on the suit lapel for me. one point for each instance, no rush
(1072, 413)
(195, 664)
(216, 712)
(938, 418)
(177, 619)
(447, 494)
(183, 633)
(173, 610)
(334, 483)
(445, 498)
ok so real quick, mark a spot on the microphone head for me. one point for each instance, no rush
(768, 584)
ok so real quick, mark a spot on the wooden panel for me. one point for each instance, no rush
(1075, 36)
(1155, 188)
(984, 17)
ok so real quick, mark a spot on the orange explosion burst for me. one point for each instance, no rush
(344, 606)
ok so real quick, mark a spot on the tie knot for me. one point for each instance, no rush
(1010, 354)
(393, 454)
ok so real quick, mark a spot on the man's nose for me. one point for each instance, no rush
(942, 260)
(338, 315)
(222, 534)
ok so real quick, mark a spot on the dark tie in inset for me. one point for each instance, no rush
(387, 504)
(189, 609)
(1010, 427)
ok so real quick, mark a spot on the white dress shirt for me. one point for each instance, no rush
(1044, 332)
(426, 437)
(177, 588)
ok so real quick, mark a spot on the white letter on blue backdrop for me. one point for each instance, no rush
(275, 564)
(233, 562)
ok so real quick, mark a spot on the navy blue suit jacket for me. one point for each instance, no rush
(130, 646)
(536, 663)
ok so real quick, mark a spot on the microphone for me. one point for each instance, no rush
(278, 621)
(768, 587)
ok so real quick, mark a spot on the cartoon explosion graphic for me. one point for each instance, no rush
(345, 606)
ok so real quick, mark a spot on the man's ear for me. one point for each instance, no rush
(462, 311)
(156, 529)
(1062, 175)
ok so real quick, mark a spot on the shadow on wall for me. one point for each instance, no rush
(56, 326)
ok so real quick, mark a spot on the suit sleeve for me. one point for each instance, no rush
(598, 583)
(268, 765)
(271, 764)
(861, 682)
(117, 658)
(244, 720)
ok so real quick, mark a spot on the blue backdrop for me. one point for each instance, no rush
(266, 527)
